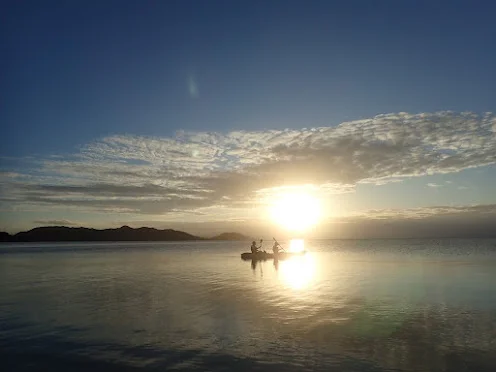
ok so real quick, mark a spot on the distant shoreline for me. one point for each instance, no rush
(57, 234)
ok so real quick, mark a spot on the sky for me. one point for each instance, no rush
(198, 114)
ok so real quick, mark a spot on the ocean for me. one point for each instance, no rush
(348, 305)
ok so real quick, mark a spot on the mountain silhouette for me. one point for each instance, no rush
(72, 234)
(231, 236)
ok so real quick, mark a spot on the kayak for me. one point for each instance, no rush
(262, 256)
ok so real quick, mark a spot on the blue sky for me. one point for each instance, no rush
(81, 78)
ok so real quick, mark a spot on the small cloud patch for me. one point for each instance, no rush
(55, 223)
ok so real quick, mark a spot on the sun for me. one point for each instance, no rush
(295, 211)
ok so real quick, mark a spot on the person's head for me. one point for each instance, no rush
(253, 242)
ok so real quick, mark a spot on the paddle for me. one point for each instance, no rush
(279, 244)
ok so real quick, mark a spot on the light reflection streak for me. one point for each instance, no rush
(298, 272)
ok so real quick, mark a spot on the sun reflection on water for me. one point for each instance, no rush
(298, 272)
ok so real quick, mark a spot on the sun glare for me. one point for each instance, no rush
(296, 245)
(298, 272)
(296, 211)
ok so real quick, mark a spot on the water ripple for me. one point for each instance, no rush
(354, 306)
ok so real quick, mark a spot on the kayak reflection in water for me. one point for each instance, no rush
(254, 264)
(276, 264)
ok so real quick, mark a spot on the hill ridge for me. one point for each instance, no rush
(71, 233)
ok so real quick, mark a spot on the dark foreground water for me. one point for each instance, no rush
(398, 305)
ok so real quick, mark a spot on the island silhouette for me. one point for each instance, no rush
(124, 233)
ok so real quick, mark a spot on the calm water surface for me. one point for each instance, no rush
(397, 305)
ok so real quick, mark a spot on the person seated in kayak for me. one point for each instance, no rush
(254, 248)
(276, 247)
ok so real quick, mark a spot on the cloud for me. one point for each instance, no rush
(210, 172)
(434, 185)
(56, 222)
(427, 222)
(424, 212)
(193, 87)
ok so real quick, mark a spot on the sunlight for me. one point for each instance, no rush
(296, 211)
(296, 245)
(298, 272)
